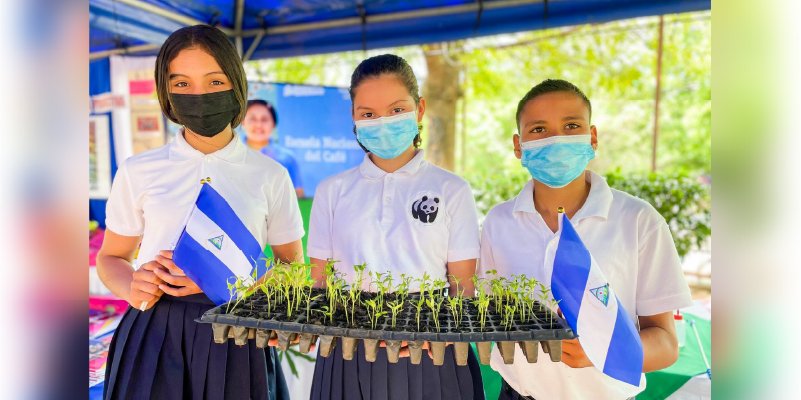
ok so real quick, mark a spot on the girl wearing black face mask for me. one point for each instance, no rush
(158, 351)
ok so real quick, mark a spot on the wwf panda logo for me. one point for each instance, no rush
(425, 209)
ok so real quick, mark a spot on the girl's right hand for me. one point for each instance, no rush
(145, 287)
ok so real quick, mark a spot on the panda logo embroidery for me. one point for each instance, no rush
(425, 209)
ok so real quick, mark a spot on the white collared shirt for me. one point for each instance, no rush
(153, 193)
(632, 245)
(414, 220)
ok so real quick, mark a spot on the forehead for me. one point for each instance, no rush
(380, 91)
(258, 109)
(554, 105)
(193, 61)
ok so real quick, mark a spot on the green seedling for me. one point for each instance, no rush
(395, 307)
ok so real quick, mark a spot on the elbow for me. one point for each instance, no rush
(664, 355)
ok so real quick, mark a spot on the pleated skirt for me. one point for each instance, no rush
(335, 378)
(163, 353)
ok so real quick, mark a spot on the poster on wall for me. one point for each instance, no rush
(99, 157)
(314, 131)
(147, 122)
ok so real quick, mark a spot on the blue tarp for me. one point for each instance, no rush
(116, 24)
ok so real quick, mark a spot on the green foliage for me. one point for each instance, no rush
(682, 201)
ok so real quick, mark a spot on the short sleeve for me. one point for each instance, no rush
(661, 286)
(124, 215)
(284, 222)
(320, 245)
(463, 239)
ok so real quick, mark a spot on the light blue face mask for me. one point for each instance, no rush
(388, 137)
(557, 160)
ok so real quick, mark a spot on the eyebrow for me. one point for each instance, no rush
(173, 76)
(540, 121)
(368, 108)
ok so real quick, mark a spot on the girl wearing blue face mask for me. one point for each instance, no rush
(400, 215)
(628, 239)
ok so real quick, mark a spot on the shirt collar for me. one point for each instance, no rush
(233, 152)
(371, 171)
(597, 204)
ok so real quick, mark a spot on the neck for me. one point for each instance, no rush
(547, 200)
(396, 163)
(257, 144)
(208, 145)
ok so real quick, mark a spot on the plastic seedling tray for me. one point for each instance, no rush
(250, 321)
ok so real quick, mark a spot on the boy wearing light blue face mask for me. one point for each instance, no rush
(628, 239)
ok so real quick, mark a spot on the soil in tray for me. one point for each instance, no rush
(406, 321)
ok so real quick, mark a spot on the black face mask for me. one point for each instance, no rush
(205, 114)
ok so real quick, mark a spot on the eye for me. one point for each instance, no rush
(367, 115)
(537, 129)
(217, 83)
(398, 110)
(181, 84)
(572, 126)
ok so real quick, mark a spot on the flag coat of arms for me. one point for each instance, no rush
(216, 247)
(605, 331)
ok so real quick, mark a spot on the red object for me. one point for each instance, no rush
(95, 241)
(677, 316)
(145, 86)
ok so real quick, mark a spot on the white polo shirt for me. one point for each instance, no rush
(414, 220)
(633, 247)
(153, 193)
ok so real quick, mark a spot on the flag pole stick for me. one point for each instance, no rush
(701, 347)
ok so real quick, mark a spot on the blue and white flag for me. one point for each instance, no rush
(605, 331)
(215, 247)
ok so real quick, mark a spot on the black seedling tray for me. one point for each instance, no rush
(546, 326)
(250, 321)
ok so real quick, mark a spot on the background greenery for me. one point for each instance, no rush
(614, 64)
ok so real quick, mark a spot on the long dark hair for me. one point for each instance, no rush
(374, 67)
(214, 42)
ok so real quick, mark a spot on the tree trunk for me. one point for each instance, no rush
(442, 92)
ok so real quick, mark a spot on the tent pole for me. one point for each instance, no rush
(239, 12)
(658, 90)
(183, 19)
(125, 50)
(253, 46)
(430, 12)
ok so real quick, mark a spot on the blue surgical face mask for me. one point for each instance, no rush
(557, 160)
(388, 137)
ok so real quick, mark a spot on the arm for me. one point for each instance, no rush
(659, 344)
(318, 272)
(288, 252)
(463, 271)
(115, 270)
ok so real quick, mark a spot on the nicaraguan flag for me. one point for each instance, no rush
(215, 247)
(605, 331)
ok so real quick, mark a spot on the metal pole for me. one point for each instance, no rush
(657, 95)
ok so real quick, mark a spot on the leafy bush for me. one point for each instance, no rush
(682, 201)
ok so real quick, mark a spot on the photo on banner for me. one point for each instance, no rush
(314, 127)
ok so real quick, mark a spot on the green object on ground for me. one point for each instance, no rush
(663, 383)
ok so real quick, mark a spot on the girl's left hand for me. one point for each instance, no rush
(174, 276)
(573, 354)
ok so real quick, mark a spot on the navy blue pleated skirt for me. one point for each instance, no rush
(335, 378)
(163, 353)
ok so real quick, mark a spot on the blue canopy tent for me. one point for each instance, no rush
(278, 28)
(275, 28)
